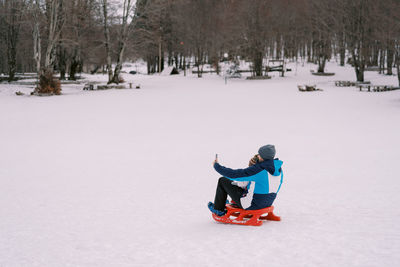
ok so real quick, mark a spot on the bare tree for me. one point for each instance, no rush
(52, 10)
(37, 48)
(79, 39)
(394, 17)
(11, 19)
(358, 28)
(107, 42)
(322, 34)
(199, 22)
(397, 59)
(122, 38)
(55, 22)
(387, 31)
(254, 15)
(149, 30)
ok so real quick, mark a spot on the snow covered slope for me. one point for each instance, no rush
(122, 177)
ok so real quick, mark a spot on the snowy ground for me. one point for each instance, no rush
(122, 177)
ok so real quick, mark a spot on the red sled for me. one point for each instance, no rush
(247, 217)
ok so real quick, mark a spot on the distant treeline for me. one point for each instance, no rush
(70, 36)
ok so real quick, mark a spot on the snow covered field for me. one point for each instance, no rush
(123, 177)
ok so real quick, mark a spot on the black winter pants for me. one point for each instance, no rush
(225, 188)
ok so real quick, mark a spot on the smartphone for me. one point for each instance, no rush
(216, 156)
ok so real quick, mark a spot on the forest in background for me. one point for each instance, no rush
(69, 37)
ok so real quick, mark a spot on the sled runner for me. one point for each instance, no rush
(246, 217)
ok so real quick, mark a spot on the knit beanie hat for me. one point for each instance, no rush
(267, 152)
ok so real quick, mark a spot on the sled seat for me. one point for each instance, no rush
(247, 217)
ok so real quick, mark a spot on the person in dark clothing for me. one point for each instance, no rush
(252, 188)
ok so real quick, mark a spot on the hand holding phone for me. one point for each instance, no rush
(216, 159)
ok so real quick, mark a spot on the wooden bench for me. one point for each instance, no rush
(344, 83)
(377, 88)
(90, 86)
(308, 88)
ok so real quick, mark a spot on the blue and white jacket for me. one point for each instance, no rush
(264, 181)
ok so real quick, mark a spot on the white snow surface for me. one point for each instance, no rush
(123, 177)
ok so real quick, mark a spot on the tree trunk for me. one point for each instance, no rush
(342, 48)
(257, 63)
(75, 64)
(62, 61)
(73, 69)
(397, 60)
(216, 64)
(54, 23)
(359, 68)
(12, 60)
(199, 61)
(381, 61)
(2, 61)
(151, 64)
(184, 66)
(309, 52)
(358, 61)
(159, 54)
(398, 70)
(12, 22)
(176, 61)
(389, 60)
(278, 48)
(375, 55)
(37, 49)
(181, 61)
(118, 66)
(360, 74)
(342, 52)
(162, 61)
(122, 40)
(107, 40)
(321, 64)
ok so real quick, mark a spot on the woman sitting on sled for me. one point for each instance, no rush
(252, 188)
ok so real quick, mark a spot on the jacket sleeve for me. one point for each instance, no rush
(238, 174)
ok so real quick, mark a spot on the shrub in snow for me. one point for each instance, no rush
(48, 84)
